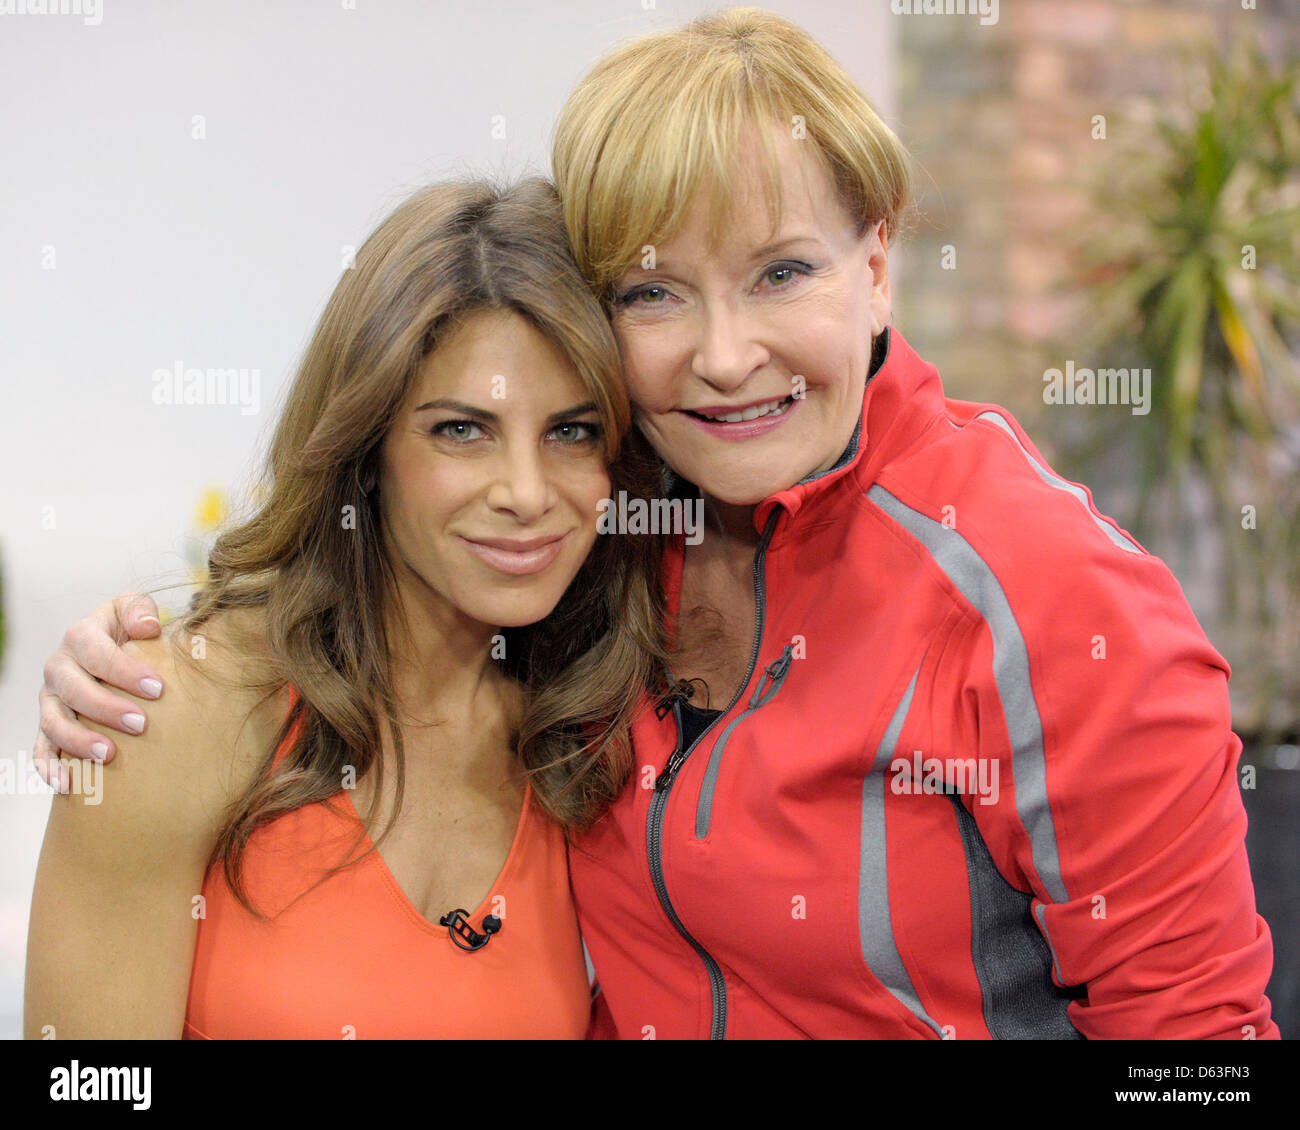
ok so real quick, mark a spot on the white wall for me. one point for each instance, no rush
(220, 253)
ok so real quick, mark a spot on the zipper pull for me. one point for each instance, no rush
(773, 672)
(778, 667)
(679, 752)
(670, 770)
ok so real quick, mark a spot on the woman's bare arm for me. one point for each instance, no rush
(114, 911)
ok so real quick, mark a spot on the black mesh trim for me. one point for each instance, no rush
(1012, 959)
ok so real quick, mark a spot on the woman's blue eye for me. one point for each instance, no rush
(789, 270)
(643, 293)
(457, 430)
(779, 275)
(575, 432)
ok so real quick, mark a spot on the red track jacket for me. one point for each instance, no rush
(979, 783)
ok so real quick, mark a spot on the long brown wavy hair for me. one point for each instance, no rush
(449, 250)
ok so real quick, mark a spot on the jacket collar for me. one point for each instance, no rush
(899, 389)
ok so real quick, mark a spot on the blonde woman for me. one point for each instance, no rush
(955, 759)
(335, 792)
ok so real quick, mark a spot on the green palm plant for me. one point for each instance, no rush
(1193, 267)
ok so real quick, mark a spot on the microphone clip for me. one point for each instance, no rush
(464, 935)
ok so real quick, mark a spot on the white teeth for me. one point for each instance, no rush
(771, 408)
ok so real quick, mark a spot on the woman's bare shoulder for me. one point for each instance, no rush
(218, 717)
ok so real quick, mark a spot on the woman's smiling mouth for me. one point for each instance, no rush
(742, 422)
(518, 557)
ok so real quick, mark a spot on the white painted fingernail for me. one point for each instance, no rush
(133, 722)
(150, 688)
(99, 751)
(150, 620)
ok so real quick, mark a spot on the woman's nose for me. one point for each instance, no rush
(727, 351)
(521, 486)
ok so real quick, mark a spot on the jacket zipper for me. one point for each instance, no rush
(664, 785)
(774, 674)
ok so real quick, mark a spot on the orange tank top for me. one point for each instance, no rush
(354, 959)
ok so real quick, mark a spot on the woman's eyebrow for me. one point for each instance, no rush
(763, 252)
(781, 244)
(569, 413)
(476, 413)
(464, 408)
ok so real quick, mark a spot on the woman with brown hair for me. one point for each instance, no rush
(421, 586)
(953, 758)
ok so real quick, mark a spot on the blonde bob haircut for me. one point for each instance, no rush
(664, 117)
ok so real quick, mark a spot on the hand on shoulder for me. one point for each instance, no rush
(209, 734)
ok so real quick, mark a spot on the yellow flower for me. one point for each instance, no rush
(212, 509)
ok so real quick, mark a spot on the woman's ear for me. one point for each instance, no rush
(878, 265)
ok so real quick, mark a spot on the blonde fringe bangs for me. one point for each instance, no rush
(669, 117)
